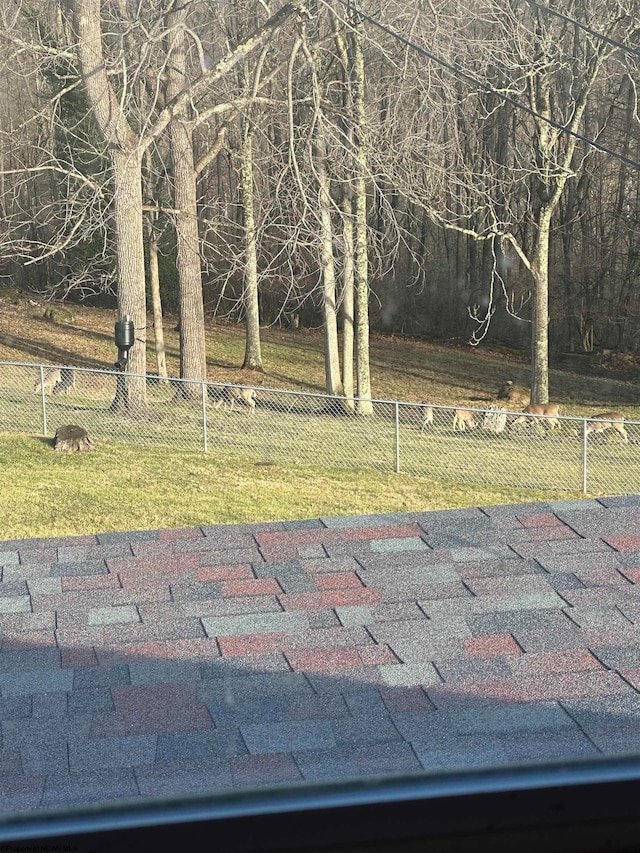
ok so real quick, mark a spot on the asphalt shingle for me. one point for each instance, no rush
(168, 662)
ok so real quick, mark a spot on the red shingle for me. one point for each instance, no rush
(395, 531)
(543, 663)
(329, 599)
(623, 543)
(260, 586)
(376, 655)
(632, 573)
(78, 657)
(28, 640)
(337, 580)
(492, 644)
(224, 573)
(251, 644)
(323, 660)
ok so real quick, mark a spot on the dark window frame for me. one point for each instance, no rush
(586, 805)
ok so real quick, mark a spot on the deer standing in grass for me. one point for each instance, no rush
(607, 420)
(462, 419)
(227, 396)
(426, 416)
(547, 413)
(56, 380)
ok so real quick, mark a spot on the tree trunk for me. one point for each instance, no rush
(126, 160)
(156, 301)
(252, 352)
(127, 172)
(333, 381)
(540, 325)
(361, 268)
(347, 301)
(193, 361)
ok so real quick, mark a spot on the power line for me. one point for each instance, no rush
(634, 51)
(476, 81)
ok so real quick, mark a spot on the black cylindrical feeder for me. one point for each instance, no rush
(125, 339)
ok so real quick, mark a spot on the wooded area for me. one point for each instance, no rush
(444, 168)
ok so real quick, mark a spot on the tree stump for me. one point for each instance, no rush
(494, 420)
(71, 437)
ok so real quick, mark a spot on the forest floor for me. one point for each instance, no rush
(125, 488)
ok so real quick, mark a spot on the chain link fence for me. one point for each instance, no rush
(267, 425)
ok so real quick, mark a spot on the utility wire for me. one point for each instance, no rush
(476, 81)
(634, 51)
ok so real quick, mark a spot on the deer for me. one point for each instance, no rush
(462, 419)
(607, 420)
(547, 414)
(426, 412)
(55, 380)
(227, 396)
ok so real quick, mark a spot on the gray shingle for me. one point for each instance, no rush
(460, 670)
(384, 519)
(354, 762)
(292, 735)
(510, 621)
(489, 552)
(409, 674)
(111, 752)
(291, 706)
(100, 676)
(163, 671)
(96, 786)
(499, 719)
(199, 746)
(78, 569)
(621, 500)
(576, 562)
(182, 778)
(238, 688)
(397, 545)
(353, 616)
(371, 728)
(115, 615)
(35, 681)
(255, 623)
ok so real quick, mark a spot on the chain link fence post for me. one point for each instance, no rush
(204, 416)
(43, 395)
(397, 418)
(584, 457)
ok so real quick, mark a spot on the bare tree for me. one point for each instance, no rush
(126, 147)
(361, 267)
(325, 206)
(193, 359)
(510, 91)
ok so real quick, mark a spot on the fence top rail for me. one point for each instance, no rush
(314, 395)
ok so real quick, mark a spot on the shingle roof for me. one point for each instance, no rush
(172, 662)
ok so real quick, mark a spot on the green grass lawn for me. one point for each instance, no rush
(281, 462)
(116, 487)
